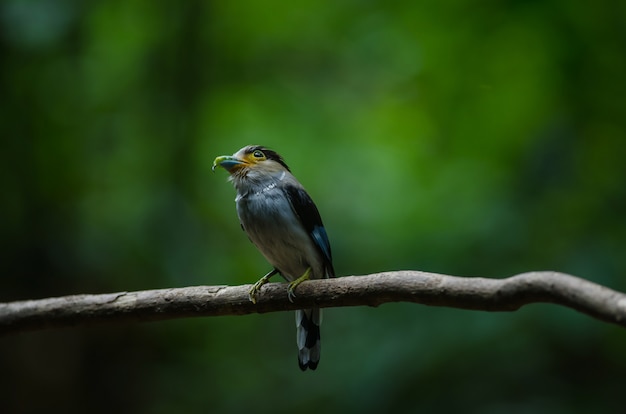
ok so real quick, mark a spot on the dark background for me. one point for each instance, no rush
(469, 138)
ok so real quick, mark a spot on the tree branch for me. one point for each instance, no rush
(403, 286)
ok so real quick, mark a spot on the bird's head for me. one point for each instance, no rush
(251, 161)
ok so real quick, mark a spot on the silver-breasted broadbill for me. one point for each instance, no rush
(282, 221)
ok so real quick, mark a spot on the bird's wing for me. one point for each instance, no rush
(309, 216)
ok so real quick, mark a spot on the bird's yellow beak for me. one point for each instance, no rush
(228, 162)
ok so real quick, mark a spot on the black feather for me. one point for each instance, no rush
(309, 216)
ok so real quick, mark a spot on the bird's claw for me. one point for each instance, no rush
(255, 289)
(291, 295)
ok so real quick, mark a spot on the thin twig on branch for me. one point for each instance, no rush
(372, 290)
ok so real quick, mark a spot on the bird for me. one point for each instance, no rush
(282, 221)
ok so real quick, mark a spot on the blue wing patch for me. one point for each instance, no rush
(320, 238)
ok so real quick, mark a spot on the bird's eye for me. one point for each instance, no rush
(258, 154)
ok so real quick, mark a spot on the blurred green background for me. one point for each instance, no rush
(469, 138)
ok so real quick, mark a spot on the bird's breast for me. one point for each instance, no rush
(274, 228)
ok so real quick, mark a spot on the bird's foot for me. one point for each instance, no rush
(292, 285)
(254, 290)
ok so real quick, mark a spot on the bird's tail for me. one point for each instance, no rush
(308, 323)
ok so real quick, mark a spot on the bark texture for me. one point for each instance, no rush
(371, 290)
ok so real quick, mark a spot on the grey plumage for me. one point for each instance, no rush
(282, 221)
